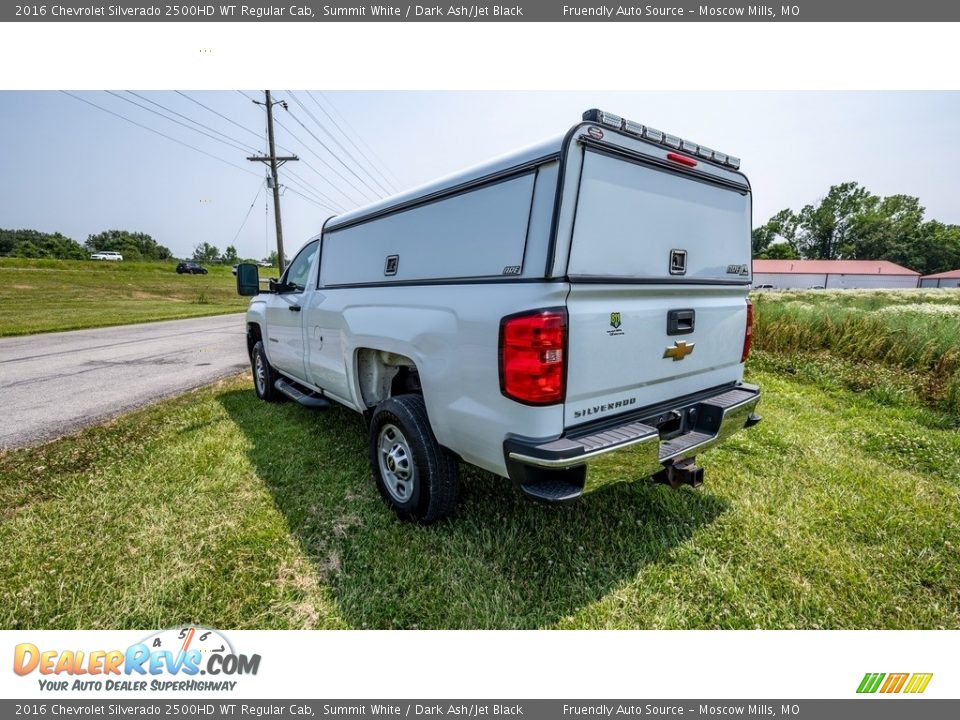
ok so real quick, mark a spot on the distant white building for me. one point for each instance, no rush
(949, 279)
(833, 274)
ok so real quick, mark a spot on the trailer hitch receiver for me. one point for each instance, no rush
(681, 472)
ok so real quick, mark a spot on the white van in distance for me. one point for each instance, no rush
(568, 316)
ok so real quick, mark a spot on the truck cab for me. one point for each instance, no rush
(567, 316)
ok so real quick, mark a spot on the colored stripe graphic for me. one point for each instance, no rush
(918, 682)
(894, 683)
(870, 682)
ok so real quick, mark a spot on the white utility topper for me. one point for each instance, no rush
(568, 316)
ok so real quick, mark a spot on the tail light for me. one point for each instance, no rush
(533, 349)
(748, 336)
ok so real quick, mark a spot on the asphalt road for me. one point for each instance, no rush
(54, 383)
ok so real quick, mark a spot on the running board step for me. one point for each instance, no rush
(310, 400)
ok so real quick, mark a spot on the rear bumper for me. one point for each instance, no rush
(587, 459)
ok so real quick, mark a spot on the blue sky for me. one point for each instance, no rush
(72, 168)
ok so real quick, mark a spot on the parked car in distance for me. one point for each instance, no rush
(191, 268)
(107, 255)
(234, 269)
(472, 320)
(765, 286)
(818, 287)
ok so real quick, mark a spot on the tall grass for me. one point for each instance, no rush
(918, 331)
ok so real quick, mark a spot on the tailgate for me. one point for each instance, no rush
(622, 357)
(659, 269)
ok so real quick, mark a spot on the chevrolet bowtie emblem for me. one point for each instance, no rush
(679, 350)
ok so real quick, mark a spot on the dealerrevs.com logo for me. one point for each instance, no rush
(181, 659)
(891, 683)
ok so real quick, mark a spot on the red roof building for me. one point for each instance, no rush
(833, 274)
(951, 279)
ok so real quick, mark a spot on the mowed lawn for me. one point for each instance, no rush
(50, 295)
(840, 510)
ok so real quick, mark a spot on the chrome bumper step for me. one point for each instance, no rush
(563, 469)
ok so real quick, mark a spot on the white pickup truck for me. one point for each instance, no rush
(567, 316)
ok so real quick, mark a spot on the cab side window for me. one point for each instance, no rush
(299, 270)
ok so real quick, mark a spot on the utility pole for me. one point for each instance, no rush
(275, 162)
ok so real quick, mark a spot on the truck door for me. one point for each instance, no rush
(285, 344)
(324, 327)
(659, 269)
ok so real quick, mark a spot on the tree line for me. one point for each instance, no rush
(35, 244)
(132, 245)
(851, 223)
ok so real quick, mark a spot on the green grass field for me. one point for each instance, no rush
(901, 342)
(840, 510)
(50, 295)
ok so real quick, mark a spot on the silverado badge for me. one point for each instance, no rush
(679, 350)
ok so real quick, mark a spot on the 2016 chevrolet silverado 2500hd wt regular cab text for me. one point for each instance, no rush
(568, 316)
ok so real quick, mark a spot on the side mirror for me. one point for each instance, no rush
(248, 279)
(278, 287)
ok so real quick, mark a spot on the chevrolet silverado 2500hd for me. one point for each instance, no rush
(567, 316)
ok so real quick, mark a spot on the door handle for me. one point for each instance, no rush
(293, 308)
(680, 322)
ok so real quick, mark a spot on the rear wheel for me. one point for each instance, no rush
(264, 375)
(416, 476)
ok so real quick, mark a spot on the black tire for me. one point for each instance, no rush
(264, 376)
(203, 272)
(429, 476)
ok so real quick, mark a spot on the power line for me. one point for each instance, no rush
(306, 163)
(157, 132)
(337, 142)
(240, 143)
(373, 152)
(331, 203)
(334, 155)
(335, 207)
(247, 216)
(337, 125)
(174, 120)
(332, 169)
(295, 192)
(218, 114)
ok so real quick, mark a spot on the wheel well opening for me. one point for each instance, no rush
(253, 337)
(385, 374)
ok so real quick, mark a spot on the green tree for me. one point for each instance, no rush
(851, 222)
(206, 253)
(779, 251)
(782, 227)
(826, 230)
(132, 245)
(229, 256)
(272, 258)
(35, 244)
(935, 249)
(885, 227)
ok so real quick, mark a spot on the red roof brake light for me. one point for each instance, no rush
(533, 349)
(681, 159)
